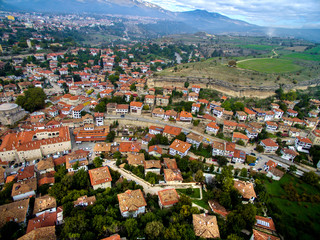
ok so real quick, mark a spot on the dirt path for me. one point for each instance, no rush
(275, 54)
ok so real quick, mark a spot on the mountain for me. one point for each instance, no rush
(176, 22)
(121, 7)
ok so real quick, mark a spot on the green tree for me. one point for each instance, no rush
(244, 172)
(259, 149)
(222, 161)
(311, 178)
(133, 87)
(32, 100)
(110, 137)
(186, 84)
(154, 229)
(131, 226)
(198, 177)
(225, 179)
(97, 162)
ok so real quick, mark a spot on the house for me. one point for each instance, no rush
(185, 116)
(237, 136)
(196, 89)
(15, 211)
(239, 156)
(275, 174)
(26, 173)
(241, 115)
(153, 166)
(250, 114)
(45, 165)
(271, 126)
(311, 122)
(288, 154)
(294, 132)
(289, 104)
(270, 164)
(42, 233)
(136, 159)
(149, 100)
(170, 115)
(214, 104)
(158, 113)
(155, 151)
(102, 148)
(292, 113)
(229, 149)
(218, 112)
(227, 115)
(269, 115)
(170, 163)
(193, 97)
(314, 136)
(256, 126)
(172, 176)
(100, 178)
(44, 204)
(278, 113)
(195, 108)
(121, 109)
(76, 112)
(303, 144)
(155, 130)
(136, 108)
(24, 189)
(46, 219)
(212, 128)
(168, 197)
(84, 201)
(246, 190)
(171, 132)
(217, 208)
(205, 226)
(194, 139)
(265, 224)
(229, 126)
(99, 118)
(179, 147)
(218, 148)
(258, 235)
(132, 203)
(77, 160)
(129, 147)
(113, 237)
(269, 145)
(162, 100)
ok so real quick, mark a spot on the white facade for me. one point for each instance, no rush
(134, 213)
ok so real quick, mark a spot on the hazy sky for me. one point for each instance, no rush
(275, 13)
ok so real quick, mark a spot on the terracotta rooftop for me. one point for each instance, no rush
(100, 175)
(152, 164)
(155, 148)
(213, 125)
(131, 200)
(77, 156)
(102, 147)
(172, 130)
(168, 197)
(85, 201)
(180, 146)
(44, 203)
(172, 175)
(216, 207)
(245, 189)
(269, 142)
(258, 235)
(170, 163)
(44, 220)
(229, 123)
(24, 187)
(44, 233)
(304, 140)
(195, 137)
(239, 135)
(129, 147)
(135, 158)
(15, 211)
(25, 172)
(205, 226)
(113, 237)
(45, 164)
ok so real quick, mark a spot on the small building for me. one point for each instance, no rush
(44, 204)
(269, 145)
(45, 165)
(15, 211)
(303, 144)
(237, 136)
(45, 219)
(259, 235)
(155, 130)
(246, 190)
(42, 233)
(100, 178)
(170, 163)
(172, 176)
(212, 128)
(205, 226)
(136, 108)
(314, 136)
(168, 197)
(132, 203)
(179, 147)
(171, 132)
(84, 201)
(194, 139)
(217, 208)
(153, 166)
(288, 154)
(136, 159)
(265, 224)
(24, 189)
(155, 151)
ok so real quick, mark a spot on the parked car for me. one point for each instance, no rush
(252, 164)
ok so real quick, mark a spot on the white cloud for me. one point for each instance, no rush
(289, 13)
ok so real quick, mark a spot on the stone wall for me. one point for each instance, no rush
(228, 88)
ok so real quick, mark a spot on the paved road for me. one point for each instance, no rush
(249, 149)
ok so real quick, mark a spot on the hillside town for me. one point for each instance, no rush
(88, 142)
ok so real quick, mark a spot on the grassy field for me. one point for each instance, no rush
(296, 216)
(195, 192)
(303, 56)
(257, 47)
(272, 65)
(314, 50)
